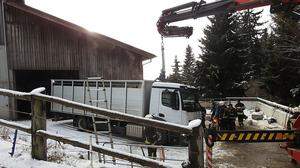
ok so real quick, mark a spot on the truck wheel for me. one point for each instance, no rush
(82, 123)
(75, 121)
(183, 140)
(164, 139)
(172, 139)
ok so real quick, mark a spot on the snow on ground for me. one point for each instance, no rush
(260, 124)
(22, 157)
(65, 156)
(69, 156)
(62, 155)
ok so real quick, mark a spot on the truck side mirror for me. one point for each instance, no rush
(175, 101)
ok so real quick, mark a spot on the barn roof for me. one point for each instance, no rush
(69, 25)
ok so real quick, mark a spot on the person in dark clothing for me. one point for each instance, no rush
(232, 114)
(203, 115)
(215, 115)
(214, 109)
(290, 123)
(240, 107)
(223, 116)
(152, 137)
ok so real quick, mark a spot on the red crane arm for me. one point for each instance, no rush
(194, 10)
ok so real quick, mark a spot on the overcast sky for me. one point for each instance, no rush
(129, 21)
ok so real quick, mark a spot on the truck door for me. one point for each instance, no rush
(169, 108)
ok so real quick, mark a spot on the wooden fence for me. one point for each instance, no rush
(40, 135)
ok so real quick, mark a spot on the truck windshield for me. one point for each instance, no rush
(190, 100)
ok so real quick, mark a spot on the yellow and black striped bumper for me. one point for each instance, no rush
(255, 136)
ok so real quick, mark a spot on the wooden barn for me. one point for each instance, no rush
(36, 47)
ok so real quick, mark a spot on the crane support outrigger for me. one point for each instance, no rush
(194, 10)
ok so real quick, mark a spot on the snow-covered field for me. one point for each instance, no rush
(69, 156)
(61, 155)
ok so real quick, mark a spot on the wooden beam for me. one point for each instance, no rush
(14, 125)
(117, 115)
(99, 111)
(195, 148)
(107, 151)
(38, 143)
(70, 26)
(15, 94)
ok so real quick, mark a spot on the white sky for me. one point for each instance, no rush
(129, 21)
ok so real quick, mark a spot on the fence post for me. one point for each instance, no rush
(196, 155)
(38, 122)
(209, 152)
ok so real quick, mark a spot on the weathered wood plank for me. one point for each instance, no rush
(195, 148)
(116, 115)
(1, 27)
(35, 43)
(38, 142)
(107, 151)
(100, 111)
(14, 125)
(15, 94)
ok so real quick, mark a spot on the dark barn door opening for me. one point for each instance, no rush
(27, 80)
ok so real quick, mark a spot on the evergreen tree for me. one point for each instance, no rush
(250, 31)
(188, 68)
(220, 71)
(162, 76)
(206, 79)
(282, 72)
(175, 76)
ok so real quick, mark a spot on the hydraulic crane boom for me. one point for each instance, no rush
(194, 10)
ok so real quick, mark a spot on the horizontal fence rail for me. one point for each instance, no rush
(99, 111)
(15, 94)
(258, 99)
(267, 102)
(40, 135)
(107, 151)
(17, 126)
(116, 115)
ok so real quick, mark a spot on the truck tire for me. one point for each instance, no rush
(83, 123)
(75, 121)
(183, 140)
(173, 139)
(164, 138)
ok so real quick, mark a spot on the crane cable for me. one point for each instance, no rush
(163, 68)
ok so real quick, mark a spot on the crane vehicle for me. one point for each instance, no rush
(194, 10)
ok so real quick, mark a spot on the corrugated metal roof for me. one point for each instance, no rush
(33, 11)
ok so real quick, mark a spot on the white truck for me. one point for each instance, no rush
(171, 102)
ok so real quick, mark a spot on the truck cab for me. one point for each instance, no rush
(174, 102)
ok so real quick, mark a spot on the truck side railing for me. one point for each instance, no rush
(119, 93)
(258, 99)
(278, 111)
(40, 135)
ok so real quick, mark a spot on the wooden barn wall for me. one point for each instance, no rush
(1, 27)
(36, 44)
